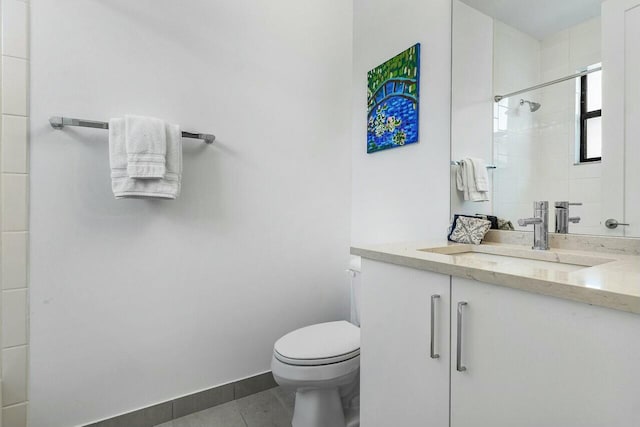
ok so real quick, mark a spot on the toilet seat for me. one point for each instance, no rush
(322, 364)
(320, 344)
(316, 362)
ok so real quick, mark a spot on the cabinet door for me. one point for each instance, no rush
(535, 361)
(401, 384)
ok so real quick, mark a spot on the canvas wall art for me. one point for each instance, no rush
(392, 101)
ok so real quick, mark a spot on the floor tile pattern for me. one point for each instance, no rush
(269, 408)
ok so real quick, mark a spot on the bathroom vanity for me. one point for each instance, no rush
(500, 335)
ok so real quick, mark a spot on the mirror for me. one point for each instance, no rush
(527, 96)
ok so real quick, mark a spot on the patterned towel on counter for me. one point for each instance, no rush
(469, 230)
(452, 226)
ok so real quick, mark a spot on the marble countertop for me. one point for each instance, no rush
(592, 274)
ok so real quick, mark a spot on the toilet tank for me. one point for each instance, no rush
(355, 285)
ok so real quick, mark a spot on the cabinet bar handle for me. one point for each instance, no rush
(434, 355)
(459, 366)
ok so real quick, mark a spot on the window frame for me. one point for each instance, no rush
(585, 116)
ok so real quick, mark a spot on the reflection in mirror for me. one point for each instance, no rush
(544, 139)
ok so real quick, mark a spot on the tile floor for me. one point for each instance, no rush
(270, 408)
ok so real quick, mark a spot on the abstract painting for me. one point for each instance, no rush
(392, 101)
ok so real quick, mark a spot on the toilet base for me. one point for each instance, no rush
(326, 395)
(318, 408)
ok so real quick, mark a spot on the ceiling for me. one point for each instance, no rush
(539, 18)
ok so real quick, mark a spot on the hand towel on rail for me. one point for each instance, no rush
(146, 147)
(480, 174)
(124, 186)
(472, 180)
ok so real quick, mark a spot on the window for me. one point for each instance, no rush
(591, 116)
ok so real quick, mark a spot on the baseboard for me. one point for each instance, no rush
(199, 401)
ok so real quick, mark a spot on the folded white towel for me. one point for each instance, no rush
(124, 186)
(146, 147)
(472, 179)
(480, 174)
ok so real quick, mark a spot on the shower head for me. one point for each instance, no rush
(533, 106)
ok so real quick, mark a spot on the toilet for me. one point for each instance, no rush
(321, 363)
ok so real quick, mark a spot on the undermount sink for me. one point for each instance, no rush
(489, 255)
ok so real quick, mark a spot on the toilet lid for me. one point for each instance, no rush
(329, 342)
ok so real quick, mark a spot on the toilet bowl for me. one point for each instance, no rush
(321, 363)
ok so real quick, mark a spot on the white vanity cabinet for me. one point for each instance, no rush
(533, 360)
(526, 359)
(401, 383)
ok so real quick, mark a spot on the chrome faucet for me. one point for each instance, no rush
(540, 223)
(562, 216)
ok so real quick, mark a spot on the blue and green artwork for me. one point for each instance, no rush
(392, 101)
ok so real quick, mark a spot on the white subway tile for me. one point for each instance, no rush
(585, 44)
(14, 86)
(15, 416)
(590, 215)
(14, 375)
(14, 318)
(14, 260)
(14, 202)
(554, 52)
(585, 190)
(586, 170)
(14, 144)
(15, 28)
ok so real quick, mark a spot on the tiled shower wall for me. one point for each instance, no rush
(562, 54)
(14, 198)
(536, 151)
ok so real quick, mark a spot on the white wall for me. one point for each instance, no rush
(402, 193)
(133, 301)
(471, 97)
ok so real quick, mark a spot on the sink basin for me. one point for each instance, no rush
(510, 257)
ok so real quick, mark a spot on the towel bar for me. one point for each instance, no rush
(60, 122)
(456, 163)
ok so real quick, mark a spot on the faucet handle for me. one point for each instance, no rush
(565, 204)
(523, 222)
